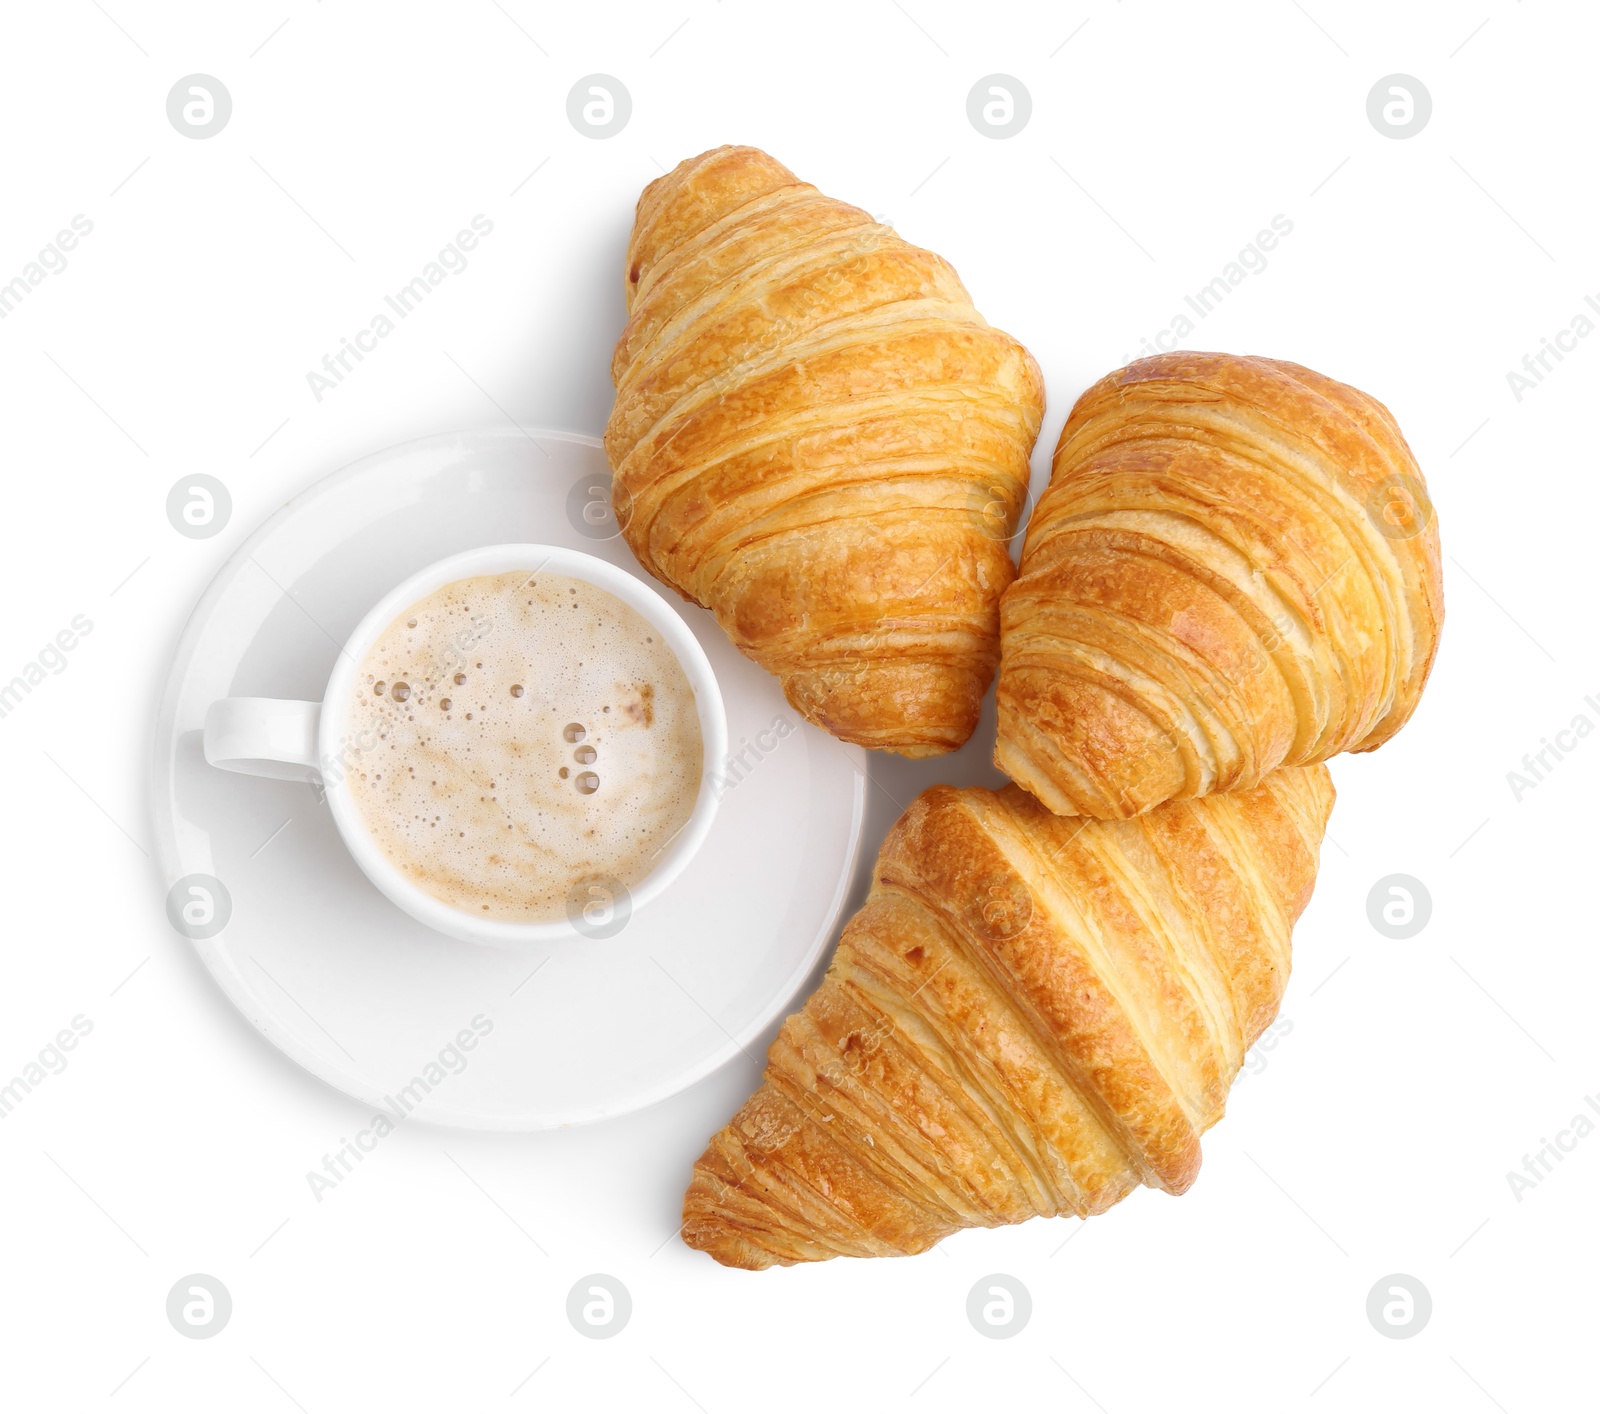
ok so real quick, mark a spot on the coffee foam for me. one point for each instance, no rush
(515, 736)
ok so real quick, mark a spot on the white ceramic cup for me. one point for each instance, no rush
(304, 741)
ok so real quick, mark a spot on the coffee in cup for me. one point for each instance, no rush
(516, 735)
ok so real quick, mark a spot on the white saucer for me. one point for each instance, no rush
(366, 998)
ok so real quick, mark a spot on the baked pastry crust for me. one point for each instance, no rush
(817, 437)
(1235, 567)
(1030, 1016)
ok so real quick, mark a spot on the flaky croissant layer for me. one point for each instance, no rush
(817, 437)
(1030, 1016)
(1235, 568)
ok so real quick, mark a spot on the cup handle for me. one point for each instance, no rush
(264, 736)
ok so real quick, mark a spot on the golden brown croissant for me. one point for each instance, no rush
(817, 437)
(1030, 1016)
(1235, 567)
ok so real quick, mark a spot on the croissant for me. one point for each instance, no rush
(1030, 1016)
(817, 437)
(1235, 567)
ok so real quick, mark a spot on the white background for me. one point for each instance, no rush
(1378, 1135)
